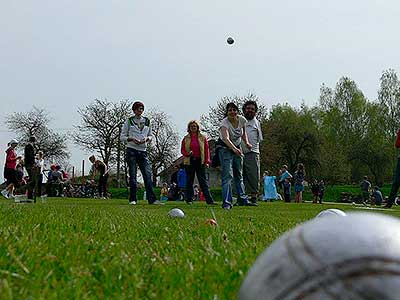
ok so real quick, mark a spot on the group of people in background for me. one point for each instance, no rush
(33, 163)
(237, 155)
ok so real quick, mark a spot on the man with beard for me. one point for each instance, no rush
(251, 161)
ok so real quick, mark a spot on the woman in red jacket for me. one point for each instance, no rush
(196, 151)
(9, 169)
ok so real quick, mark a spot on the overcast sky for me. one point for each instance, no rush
(60, 55)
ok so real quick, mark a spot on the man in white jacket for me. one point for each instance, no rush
(136, 133)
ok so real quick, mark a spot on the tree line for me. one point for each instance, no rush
(341, 138)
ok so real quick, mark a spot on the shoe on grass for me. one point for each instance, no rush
(158, 202)
(132, 202)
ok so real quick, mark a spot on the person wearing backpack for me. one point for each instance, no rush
(136, 133)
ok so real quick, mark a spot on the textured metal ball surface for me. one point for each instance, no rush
(230, 41)
(176, 213)
(331, 212)
(351, 258)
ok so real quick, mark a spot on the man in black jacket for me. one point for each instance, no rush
(29, 160)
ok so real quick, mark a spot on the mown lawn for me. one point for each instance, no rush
(106, 249)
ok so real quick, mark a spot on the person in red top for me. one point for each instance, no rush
(396, 177)
(9, 169)
(196, 151)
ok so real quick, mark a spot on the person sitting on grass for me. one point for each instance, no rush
(376, 197)
(164, 192)
(55, 181)
(100, 167)
(173, 192)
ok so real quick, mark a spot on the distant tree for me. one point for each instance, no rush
(100, 127)
(290, 137)
(210, 121)
(164, 147)
(389, 100)
(35, 123)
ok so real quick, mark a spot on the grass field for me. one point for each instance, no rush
(106, 249)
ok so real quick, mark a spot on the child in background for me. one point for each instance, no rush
(298, 177)
(283, 175)
(287, 190)
(321, 191)
(164, 192)
(270, 192)
(315, 190)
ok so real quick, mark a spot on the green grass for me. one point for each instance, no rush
(106, 249)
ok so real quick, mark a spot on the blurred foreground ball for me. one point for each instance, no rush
(176, 213)
(230, 41)
(352, 258)
(331, 212)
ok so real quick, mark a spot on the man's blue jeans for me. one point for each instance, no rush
(231, 169)
(139, 159)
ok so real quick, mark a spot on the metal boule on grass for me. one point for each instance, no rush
(331, 212)
(176, 213)
(356, 257)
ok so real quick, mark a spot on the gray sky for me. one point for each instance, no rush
(60, 55)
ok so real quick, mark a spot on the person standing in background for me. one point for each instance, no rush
(10, 173)
(251, 159)
(396, 176)
(136, 133)
(196, 154)
(299, 176)
(29, 161)
(100, 167)
(231, 135)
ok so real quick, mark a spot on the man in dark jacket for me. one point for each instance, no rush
(29, 160)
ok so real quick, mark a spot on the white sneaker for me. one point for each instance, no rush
(5, 194)
(132, 203)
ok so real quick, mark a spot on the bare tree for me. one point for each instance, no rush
(100, 127)
(163, 149)
(211, 121)
(35, 123)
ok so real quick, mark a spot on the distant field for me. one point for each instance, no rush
(106, 249)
